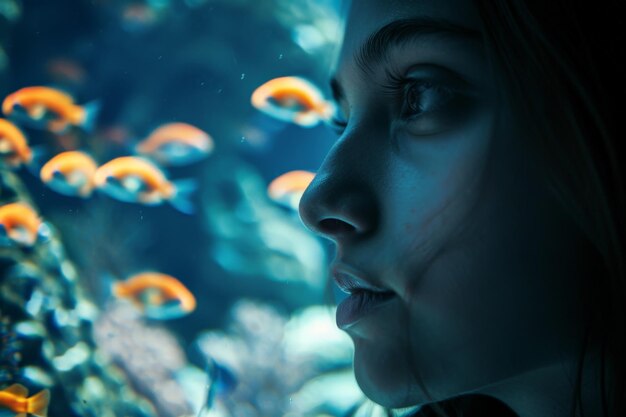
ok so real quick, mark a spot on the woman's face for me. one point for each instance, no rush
(431, 194)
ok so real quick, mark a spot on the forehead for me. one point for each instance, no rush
(443, 32)
(366, 17)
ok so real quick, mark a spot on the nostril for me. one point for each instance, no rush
(335, 227)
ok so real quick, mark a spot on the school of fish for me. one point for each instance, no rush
(138, 178)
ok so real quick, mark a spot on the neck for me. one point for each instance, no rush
(549, 391)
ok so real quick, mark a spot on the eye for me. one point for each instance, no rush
(430, 100)
(423, 96)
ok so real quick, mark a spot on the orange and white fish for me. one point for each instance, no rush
(137, 180)
(288, 188)
(20, 225)
(176, 144)
(158, 296)
(15, 399)
(14, 149)
(49, 108)
(293, 99)
(70, 173)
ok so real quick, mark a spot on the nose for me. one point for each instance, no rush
(340, 203)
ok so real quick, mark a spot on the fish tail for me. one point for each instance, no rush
(37, 159)
(118, 289)
(91, 111)
(326, 110)
(182, 194)
(38, 403)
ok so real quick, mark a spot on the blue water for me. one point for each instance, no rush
(257, 275)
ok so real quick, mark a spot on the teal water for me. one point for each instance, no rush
(259, 338)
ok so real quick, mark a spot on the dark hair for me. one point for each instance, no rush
(560, 63)
(559, 70)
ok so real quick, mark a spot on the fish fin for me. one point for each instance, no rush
(326, 110)
(43, 233)
(111, 285)
(92, 109)
(164, 312)
(118, 289)
(181, 199)
(39, 155)
(17, 389)
(58, 126)
(38, 403)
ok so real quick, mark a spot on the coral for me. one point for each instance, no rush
(9, 352)
(47, 318)
(276, 377)
(149, 354)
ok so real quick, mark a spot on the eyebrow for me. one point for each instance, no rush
(397, 33)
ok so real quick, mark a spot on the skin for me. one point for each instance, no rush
(446, 210)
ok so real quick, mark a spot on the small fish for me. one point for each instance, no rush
(49, 108)
(288, 188)
(14, 149)
(292, 99)
(138, 17)
(20, 225)
(222, 381)
(176, 144)
(70, 173)
(15, 398)
(159, 296)
(136, 180)
(66, 70)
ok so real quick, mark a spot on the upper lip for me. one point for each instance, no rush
(350, 280)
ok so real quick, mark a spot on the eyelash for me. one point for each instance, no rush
(401, 86)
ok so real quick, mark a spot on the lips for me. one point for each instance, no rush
(364, 297)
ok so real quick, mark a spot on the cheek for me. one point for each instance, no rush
(439, 212)
(501, 276)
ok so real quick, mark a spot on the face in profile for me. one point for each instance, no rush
(434, 201)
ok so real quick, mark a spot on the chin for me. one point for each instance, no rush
(384, 376)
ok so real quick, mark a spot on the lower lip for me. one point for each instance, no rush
(359, 304)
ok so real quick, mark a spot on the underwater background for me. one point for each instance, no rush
(258, 336)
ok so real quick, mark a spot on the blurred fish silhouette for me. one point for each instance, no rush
(159, 296)
(49, 108)
(16, 400)
(292, 99)
(288, 188)
(222, 381)
(65, 70)
(138, 17)
(20, 225)
(14, 149)
(176, 144)
(137, 180)
(70, 173)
